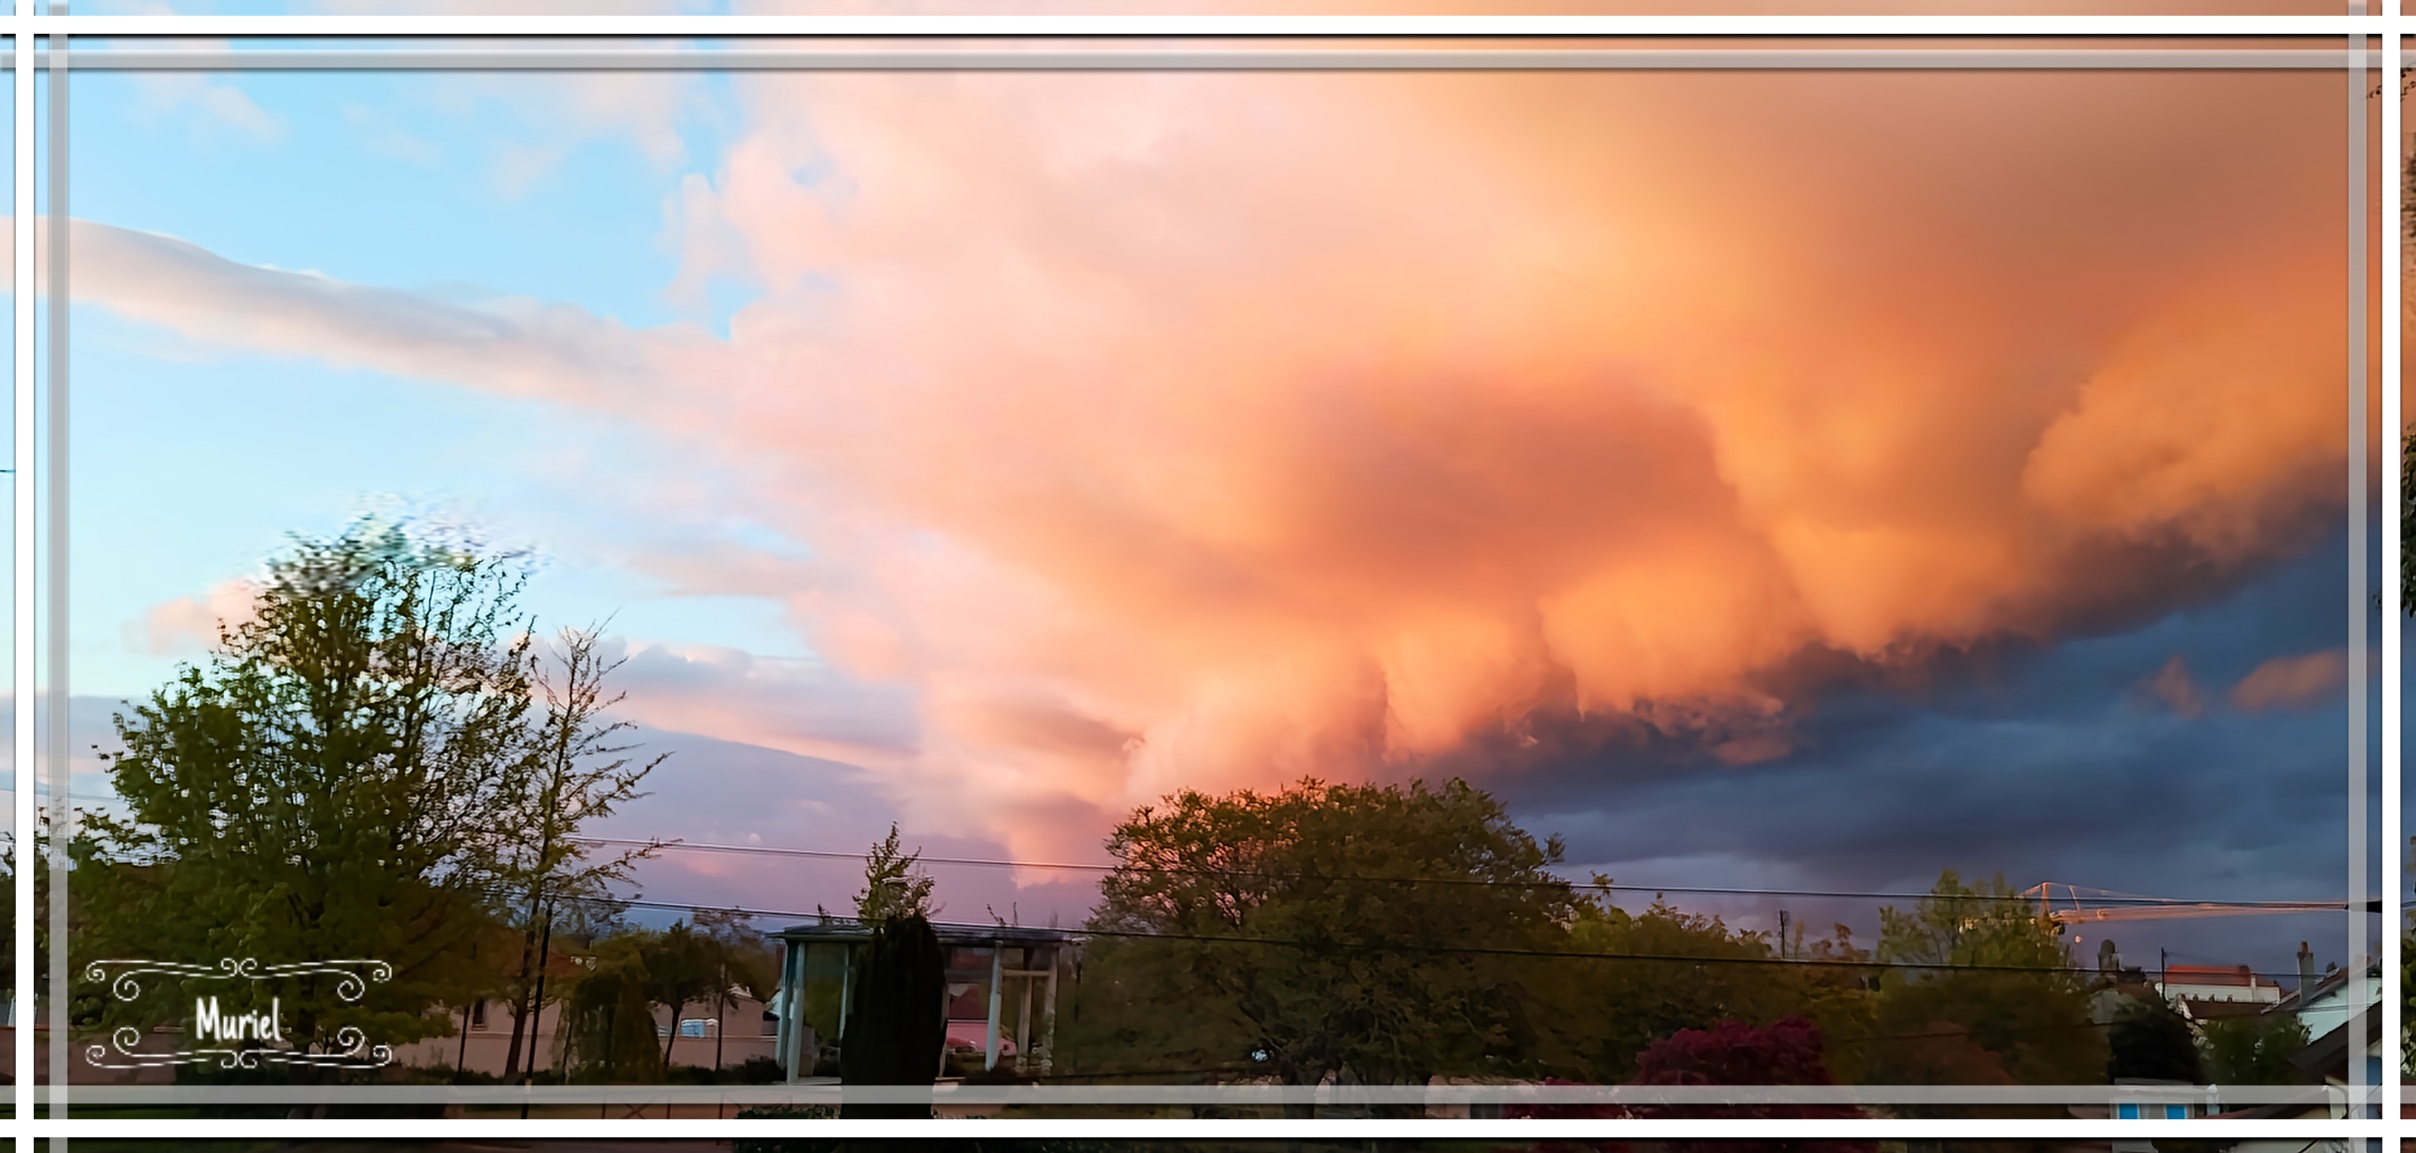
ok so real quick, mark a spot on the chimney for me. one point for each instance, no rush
(2306, 974)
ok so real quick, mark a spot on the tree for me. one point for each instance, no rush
(608, 1015)
(2407, 522)
(573, 769)
(2253, 1050)
(1604, 1111)
(1690, 972)
(741, 959)
(337, 780)
(1979, 961)
(1943, 1053)
(2151, 1041)
(2407, 442)
(1787, 1052)
(680, 971)
(898, 1027)
(1322, 930)
(895, 884)
(85, 1002)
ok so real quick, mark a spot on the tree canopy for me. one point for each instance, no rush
(895, 884)
(2151, 1041)
(370, 766)
(1320, 930)
(1688, 971)
(2253, 1050)
(1975, 977)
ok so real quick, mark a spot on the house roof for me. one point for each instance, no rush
(2222, 976)
(2332, 980)
(2207, 1009)
(2329, 1054)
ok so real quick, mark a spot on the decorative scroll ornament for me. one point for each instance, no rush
(124, 1050)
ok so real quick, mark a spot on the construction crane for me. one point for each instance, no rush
(2080, 904)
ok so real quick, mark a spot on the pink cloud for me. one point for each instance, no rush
(2292, 682)
(190, 625)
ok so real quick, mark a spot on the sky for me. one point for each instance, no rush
(1804, 481)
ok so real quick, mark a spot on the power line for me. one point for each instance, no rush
(1062, 866)
(2110, 900)
(1395, 947)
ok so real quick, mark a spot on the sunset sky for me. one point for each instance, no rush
(1797, 481)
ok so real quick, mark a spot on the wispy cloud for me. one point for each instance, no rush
(515, 347)
(2173, 686)
(380, 133)
(210, 107)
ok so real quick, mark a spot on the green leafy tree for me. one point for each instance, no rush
(741, 959)
(1979, 962)
(895, 884)
(680, 971)
(336, 781)
(574, 768)
(1365, 931)
(2253, 1050)
(2407, 964)
(2407, 522)
(1688, 972)
(2151, 1041)
(86, 1001)
(608, 1025)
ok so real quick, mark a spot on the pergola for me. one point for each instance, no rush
(1012, 961)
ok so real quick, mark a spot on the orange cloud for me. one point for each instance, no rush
(1212, 428)
(1299, 421)
(2292, 682)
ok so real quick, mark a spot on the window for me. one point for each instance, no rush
(478, 1014)
(2176, 1112)
(2127, 1111)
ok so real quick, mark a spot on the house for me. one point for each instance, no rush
(2142, 1100)
(2326, 1059)
(2326, 1003)
(2334, 1009)
(1001, 986)
(2116, 992)
(2215, 984)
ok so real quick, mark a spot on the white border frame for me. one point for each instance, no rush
(24, 25)
(22, 633)
(2394, 480)
(683, 27)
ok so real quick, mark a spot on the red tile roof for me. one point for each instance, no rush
(2240, 975)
